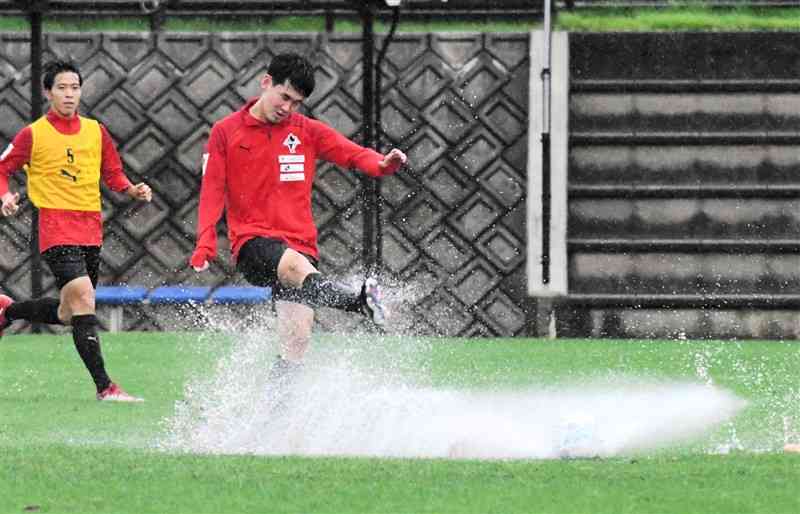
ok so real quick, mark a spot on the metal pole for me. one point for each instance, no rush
(35, 15)
(546, 179)
(368, 184)
(379, 135)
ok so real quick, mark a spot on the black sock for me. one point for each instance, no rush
(84, 333)
(319, 292)
(42, 310)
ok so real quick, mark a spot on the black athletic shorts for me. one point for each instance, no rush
(258, 262)
(70, 262)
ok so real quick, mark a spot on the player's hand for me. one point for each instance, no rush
(392, 161)
(199, 260)
(10, 203)
(140, 191)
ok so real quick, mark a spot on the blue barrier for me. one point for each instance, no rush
(119, 296)
(178, 294)
(247, 295)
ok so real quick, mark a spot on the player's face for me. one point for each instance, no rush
(65, 95)
(278, 101)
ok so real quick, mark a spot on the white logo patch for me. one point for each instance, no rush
(205, 162)
(6, 151)
(292, 167)
(291, 142)
(293, 177)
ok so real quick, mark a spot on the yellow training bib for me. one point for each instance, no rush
(64, 171)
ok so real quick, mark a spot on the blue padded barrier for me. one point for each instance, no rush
(178, 295)
(117, 297)
(241, 295)
(120, 295)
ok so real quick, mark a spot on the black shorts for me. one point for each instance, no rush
(70, 262)
(258, 262)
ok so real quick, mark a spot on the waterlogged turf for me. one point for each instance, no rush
(62, 451)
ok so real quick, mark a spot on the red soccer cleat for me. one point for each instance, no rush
(5, 301)
(114, 393)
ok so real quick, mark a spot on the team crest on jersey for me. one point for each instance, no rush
(291, 142)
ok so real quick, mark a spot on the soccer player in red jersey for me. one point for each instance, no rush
(259, 166)
(65, 156)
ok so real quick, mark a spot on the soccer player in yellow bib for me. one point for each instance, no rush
(65, 155)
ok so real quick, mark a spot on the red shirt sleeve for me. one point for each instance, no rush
(15, 156)
(334, 147)
(212, 197)
(111, 167)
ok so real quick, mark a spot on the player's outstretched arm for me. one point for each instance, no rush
(10, 203)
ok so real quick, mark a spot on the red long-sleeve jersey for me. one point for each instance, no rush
(262, 174)
(60, 226)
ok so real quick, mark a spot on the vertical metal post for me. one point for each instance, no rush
(368, 184)
(35, 15)
(157, 18)
(546, 183)
(379, 136)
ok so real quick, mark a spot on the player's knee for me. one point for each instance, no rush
(80, 300)
(293, 269)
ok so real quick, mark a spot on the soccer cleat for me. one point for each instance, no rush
(5, 301)
(373, 307)
(114, 393)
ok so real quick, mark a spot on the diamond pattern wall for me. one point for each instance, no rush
(457, 104)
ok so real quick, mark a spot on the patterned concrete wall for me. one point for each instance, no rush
(453, 225)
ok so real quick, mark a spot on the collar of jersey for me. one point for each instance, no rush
(64, 125)
(252, 121)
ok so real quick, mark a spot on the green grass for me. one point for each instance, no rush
(680, 18)
(61, 451)
(677, 18)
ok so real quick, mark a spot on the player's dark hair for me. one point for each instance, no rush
(53, 68)
(294, 67)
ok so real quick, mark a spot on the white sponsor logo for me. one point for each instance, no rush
(291, 142)
(292, 177)
(6, 151)
(284, 159)
(292, 167)
(205, 162)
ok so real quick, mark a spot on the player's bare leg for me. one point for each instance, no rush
(293, 269)
(77, 299)
(295, 322)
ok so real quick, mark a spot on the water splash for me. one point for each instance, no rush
(342, 405)
(363, 395)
